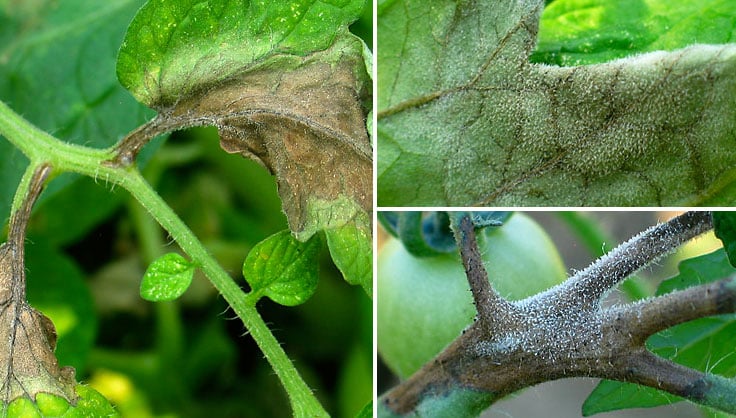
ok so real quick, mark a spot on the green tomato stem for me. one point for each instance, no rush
(303, 400)
(42, 147)
(169, 328)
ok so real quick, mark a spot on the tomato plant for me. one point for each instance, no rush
(132, 214)
(675, 343)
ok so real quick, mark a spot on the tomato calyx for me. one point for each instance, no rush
(428, 234)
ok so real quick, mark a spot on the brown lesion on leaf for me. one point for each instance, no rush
(303, 118)
(27, 362)
(305, 124)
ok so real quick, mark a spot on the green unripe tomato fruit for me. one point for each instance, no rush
(425, 303)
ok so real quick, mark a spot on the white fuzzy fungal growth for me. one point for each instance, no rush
(567, 321)
(466, 119)
(566, 332)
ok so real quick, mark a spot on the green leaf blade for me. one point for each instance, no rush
(174, 47)
(283, 268)
(58, 71)
(167, 278)
(351, 248)
(575, 32)
(612, 396)
(724, 225)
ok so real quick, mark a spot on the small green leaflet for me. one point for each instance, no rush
(724, 225)
(167, 278)
(705, 344)
(283, 268)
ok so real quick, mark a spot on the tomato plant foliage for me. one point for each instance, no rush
(72, 69)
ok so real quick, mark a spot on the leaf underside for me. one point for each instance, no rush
(466, 119)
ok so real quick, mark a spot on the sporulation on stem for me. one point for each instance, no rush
(566, 332)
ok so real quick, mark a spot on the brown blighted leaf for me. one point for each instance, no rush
(27, 362)
(303, 118)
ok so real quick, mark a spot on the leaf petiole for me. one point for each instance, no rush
(40, 146)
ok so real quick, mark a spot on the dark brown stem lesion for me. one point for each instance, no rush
(15, 245)
(27, 362)
(19, 219)
(566, 332)
(491, 307)
(131, 145)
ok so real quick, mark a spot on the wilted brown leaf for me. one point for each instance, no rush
(304, 119)
(27, 337)
(27, 362)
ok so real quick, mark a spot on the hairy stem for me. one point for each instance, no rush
(26, 195)
(653, 315)
(128, 148)
(489, 304)
(566, 332)
(591, 284)
(598, 242)
(40, 146)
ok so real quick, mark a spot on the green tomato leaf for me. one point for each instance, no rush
(609, 395)
(174, 47)
(58, 71)
(167, 278)
(705, 344)
(351, 248)
(724, 225)
(575, 32)
(89, 404)
(366, 412)
(285, 83)
(465, 119)
(283, 268)
(92, 404)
